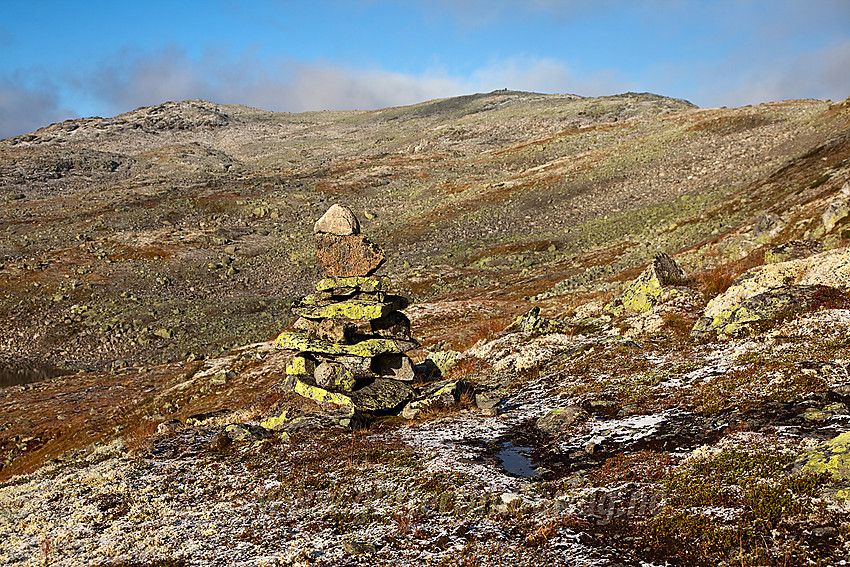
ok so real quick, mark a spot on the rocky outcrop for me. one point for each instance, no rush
(767, 307)
(837, 210)
(647, 290)
(830, 268)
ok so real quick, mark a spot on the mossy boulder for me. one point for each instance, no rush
(439, 394)
(832, 456)
(766, 308)
(647, 290)
(438, 363)
(534, 323)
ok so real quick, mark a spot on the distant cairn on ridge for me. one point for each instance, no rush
(350, 338)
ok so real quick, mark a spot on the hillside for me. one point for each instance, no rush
(147, 261)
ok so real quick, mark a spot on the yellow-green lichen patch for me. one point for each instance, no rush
(320, 394)
(642, 295)
(368, 348)
(354, 309)
(276, 421)
(366, 284)
(300, 366)
(831, 456)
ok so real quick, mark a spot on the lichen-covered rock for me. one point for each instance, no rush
(444, 393)
(395, 366)
(558, 419)
(838, 209)
(319, 394)
(366, 284)
(346, 416)
(300, 341)
(767, 306)
(647, 290)
(347, 256)
(334, 376)
(442, 361)
(382, 395)
(356, 309)
(831, 268)
(792, 250)
(533, 322)
(302, 364)
(337, 220)
(832, 456)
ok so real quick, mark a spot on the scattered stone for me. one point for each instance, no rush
(358, 547)
(533, 322)
(793, 250)
(439, 394)
(169, 426)
(559, 419)
(220, 442)
(382, 394)
(200, 419)
(337, 220)
(831, 268)
(488, 402)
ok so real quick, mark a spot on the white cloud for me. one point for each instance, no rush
(25, 108)
(142, 79)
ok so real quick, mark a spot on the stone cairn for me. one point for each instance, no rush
(350, 338)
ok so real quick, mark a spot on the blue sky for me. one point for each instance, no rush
(65, 59)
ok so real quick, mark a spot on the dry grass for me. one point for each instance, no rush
(139, 438)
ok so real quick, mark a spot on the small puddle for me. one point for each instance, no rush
(515, 461)
(14, 375)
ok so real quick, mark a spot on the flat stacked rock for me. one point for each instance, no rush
(350, 337)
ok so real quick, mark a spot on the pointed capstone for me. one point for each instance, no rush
(337, 220)
(347, 256)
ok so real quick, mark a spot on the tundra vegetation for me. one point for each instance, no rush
(633, 316)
